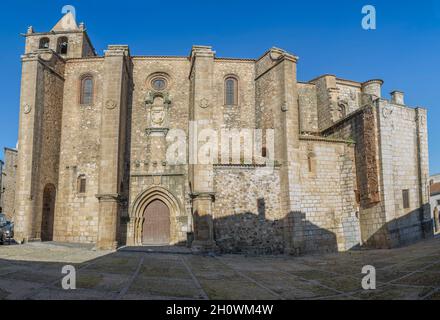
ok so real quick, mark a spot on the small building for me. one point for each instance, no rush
(435, 200)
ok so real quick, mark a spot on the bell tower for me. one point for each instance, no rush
(67, 39)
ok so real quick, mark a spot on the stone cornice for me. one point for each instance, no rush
(203, 195)
(324, 139)
(157, 175)
(109, 197)
(86, 59)
(51, 33)
(378, 81)
(183, 58)
(242, 166)
(238, 60)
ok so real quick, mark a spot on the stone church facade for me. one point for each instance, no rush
(349, 168)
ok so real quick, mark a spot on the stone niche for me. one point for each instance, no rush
(158, 105)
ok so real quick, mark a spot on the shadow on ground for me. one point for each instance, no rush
(33, 271)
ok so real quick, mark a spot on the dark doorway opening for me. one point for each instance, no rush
(47, 224)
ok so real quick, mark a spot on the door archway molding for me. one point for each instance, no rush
(141, 203)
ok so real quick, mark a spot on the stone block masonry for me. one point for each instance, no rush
(350, 168)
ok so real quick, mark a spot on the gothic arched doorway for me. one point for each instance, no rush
(47, 224)
(156, 226)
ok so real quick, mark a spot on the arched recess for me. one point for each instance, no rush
(44, 43)
(140, 205)
(63, 45)
(48, 213)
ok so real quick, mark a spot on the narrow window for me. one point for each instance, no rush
(405, 194)
(87, 90)
(311, 162)
(44, 43)
(231, 91)
(63, 45)
(82, 184)
(264, 152)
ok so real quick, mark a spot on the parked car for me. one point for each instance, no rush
(6, 230)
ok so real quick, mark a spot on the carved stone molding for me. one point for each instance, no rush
(111, 104)
(204, 103)
(114, 197)
(203, 195)
(27, 109)
(151, 95)
(387, 112)
(158, 113)
(157, 131)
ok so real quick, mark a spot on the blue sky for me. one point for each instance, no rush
(326, 35)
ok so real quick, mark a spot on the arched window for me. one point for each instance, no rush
(44, 43)
(82, 184)
(86, 90)
(231, 91)
(62, 45)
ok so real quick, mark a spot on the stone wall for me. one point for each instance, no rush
(39, 138)
(247, 213)
(76, 218)
(148, 162)
(242, 115)
(403, 134)
(350, 95)
(361, 128)
(308, 107)
(8, 183)
(328, 204)
(391, 156)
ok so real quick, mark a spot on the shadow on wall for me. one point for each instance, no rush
(252, 233)
(403, 231)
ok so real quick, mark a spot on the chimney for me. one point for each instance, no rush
(397, 97)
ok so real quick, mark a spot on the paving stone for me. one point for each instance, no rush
(235, 290)
(421, 279)
(394, 293)
(163, 287)
(234, 277)
(79, 294)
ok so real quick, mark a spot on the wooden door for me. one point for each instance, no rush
(156, 228)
